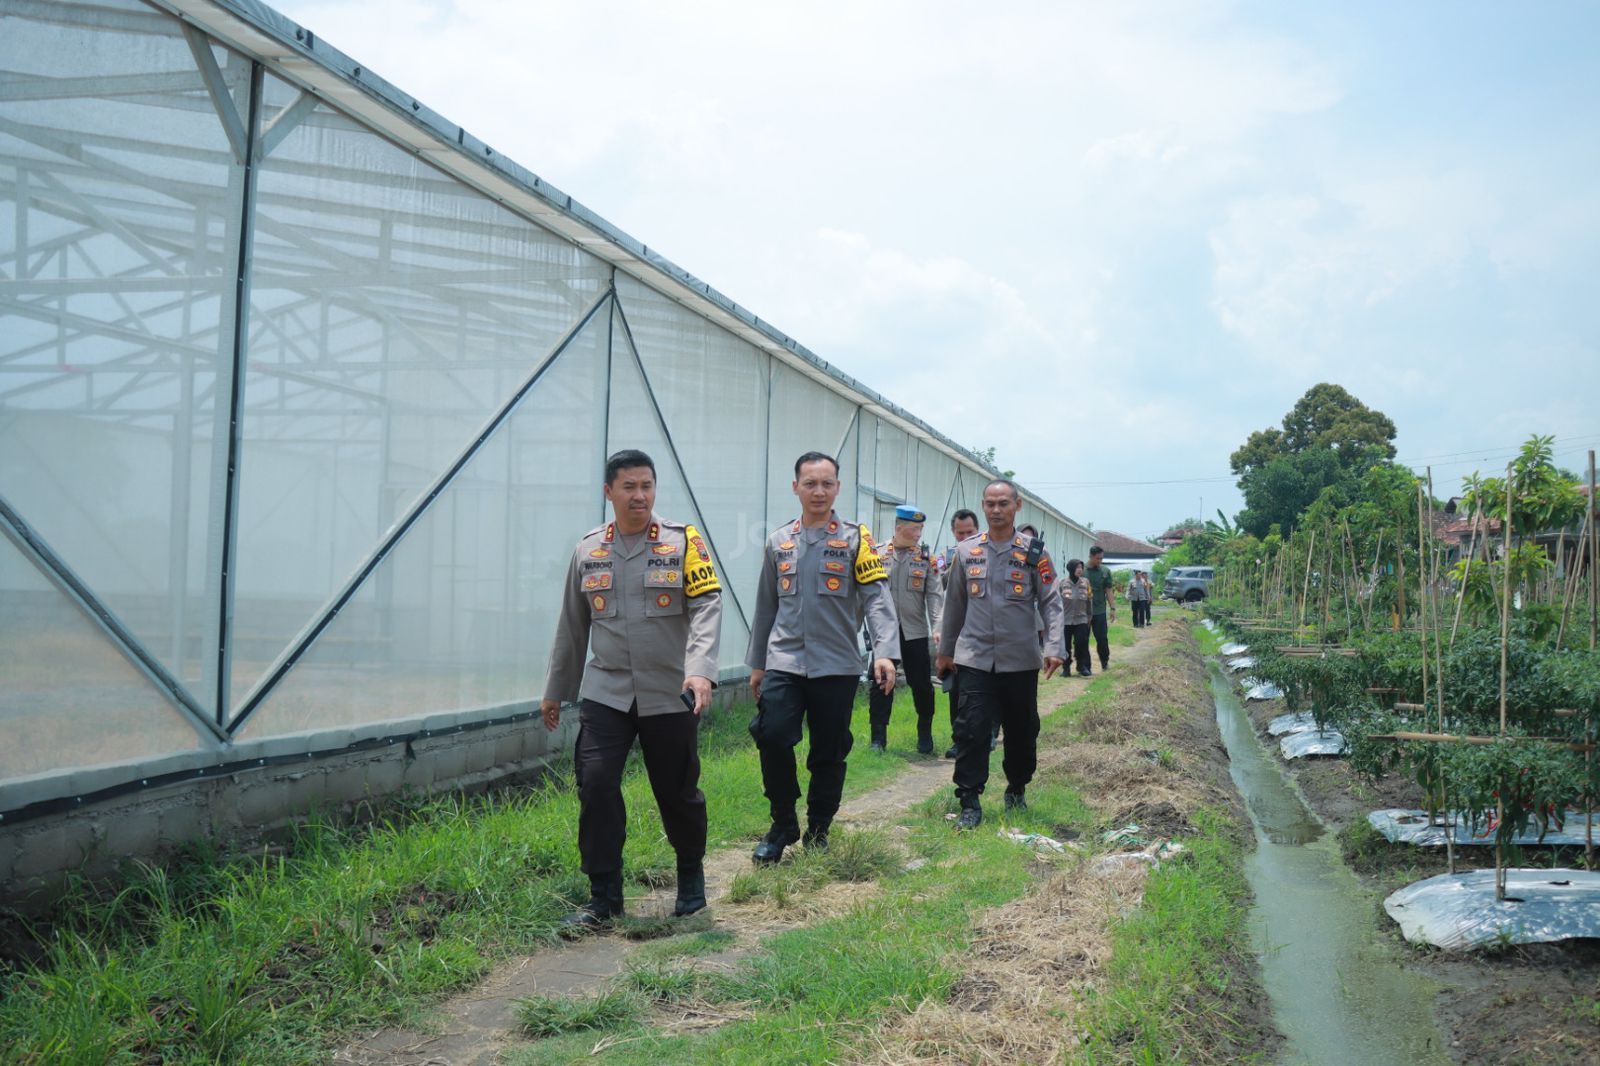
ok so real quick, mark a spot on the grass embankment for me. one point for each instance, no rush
(973, 948)
(270, 960)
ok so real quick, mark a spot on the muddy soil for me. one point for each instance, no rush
(1538, 1004)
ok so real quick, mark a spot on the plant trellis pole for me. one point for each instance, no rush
(1594, 558)
(1505, 641)
(1305, 589)
(1466, 573)
(1422, 601)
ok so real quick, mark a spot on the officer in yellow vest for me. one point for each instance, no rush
(642, 596)
(820, 574)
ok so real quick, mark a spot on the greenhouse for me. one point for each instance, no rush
(304, 397)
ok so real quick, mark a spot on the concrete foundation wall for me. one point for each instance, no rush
(238, 812)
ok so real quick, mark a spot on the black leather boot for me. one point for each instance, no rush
(770, 850)
(605, 903)
(691, 890)
(816, 835)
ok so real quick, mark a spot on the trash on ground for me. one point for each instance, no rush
(1257, 689)
(1458, 912)
(1402, 826)
(1152, 855)
(1127, 836)
(1298, 722)
(1037, 841)
(1234, 648)
(1313, 742)
(1241, 662)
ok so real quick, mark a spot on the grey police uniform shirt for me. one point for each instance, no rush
(1077, 598)
(989, 606)
(1137, 591)
(651, 614)
(917, 590)
(817, 584)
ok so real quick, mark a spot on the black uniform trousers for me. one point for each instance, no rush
(1102, 644)
(671, 747)
(1141, 613)
(823, 705)
(1078, 634)
(918, 671)
(1012, 699)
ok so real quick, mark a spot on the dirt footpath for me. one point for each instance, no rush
(475, 1027)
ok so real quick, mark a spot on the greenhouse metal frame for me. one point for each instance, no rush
(304, 396)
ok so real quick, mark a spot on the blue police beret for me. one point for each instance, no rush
(907, 513)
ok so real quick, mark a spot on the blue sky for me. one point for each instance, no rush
(1159, 224)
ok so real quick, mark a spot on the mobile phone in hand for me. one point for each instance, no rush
(688, 698)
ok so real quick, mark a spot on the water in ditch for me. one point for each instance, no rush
(1337, 992)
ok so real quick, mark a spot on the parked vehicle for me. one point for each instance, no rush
(1186, 584)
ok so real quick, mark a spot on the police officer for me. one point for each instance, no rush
(989, 623)
(642, 594)
(963, 524)
(918, 596)
(819, 576)
(1105, 599)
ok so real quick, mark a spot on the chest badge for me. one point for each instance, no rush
(664, 600)
(833, 584)
(664, 549)
(599, 553)
(972, 588)
(598, 602)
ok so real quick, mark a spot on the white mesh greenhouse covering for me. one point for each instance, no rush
(300, 448)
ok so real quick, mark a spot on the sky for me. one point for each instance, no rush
(1153, 226)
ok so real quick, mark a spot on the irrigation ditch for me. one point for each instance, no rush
(1501, 1003)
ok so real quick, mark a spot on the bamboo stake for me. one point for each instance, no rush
(1505, 640)
(1505, 615)
(1305, 587)
(1422, 600)
(1452, 738)
(1569, 587)
(1466, 573)
(1432, 602)
(1594, 558)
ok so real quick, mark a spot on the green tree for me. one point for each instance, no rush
(1326, 417)
(1327, 442)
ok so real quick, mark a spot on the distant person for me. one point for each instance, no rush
(1105, 600)
(988, 637)
(641, 595)
(963, 524)
(820, 575)
(1077, 602)
(918, 596)
(1139, 593)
